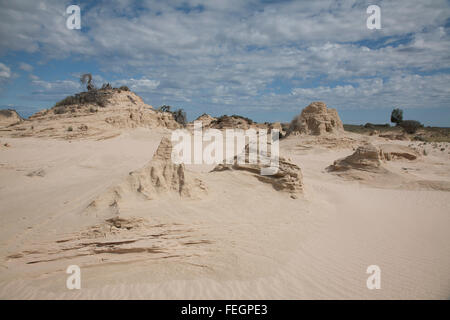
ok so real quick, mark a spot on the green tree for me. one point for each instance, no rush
(397, 116)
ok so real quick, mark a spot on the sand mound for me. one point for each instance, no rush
(115, 111)
(234, 122)
(316, 119)
(366, 165)
(231, 122)
(160, 176)
(288, 178)
(395, 151)
(369, 158)
(206, 120)
(9, 117)
(365, 158)
(137, 113)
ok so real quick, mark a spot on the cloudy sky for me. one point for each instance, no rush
(262, 59)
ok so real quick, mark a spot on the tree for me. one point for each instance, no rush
(397, 116)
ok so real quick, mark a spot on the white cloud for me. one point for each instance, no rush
(247, 54)
(138, 85)
(33, 26)
(26, 67)
(5, 72)
(54, 90)
(411, 91)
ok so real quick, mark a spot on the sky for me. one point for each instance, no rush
(266, 60)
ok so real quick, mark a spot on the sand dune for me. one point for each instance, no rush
(142, 227)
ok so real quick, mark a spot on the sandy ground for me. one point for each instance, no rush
(240, 240)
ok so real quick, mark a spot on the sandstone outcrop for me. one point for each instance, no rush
(365, 158)
(316, 119)
(395, 151)
(114, 111)
(162, 175)
(206, 120)
(9, 117)
(159, 177)
(288, 177)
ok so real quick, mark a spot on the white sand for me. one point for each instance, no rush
(242, 239)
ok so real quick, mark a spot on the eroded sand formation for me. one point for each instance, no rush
(365, 158)
(370, 164)
(121, 110)
(206, 120)
(9, 117)
(288, 177)
(159, 177)
(155, 229)
(316, 119)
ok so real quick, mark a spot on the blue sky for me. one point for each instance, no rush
(262, 59)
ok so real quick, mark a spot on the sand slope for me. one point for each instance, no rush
(243, 239)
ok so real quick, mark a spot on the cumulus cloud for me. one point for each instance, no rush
(39, 26)
(248, 55)
(138, 85)
(26, 67)
(53, 90)
(400, 90)
(5, 75)
(5, 72)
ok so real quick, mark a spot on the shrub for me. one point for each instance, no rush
(69, 129)
(98, 97)
(410, 126)
(60, 110)
(235, 116)
(124, 88)
(180, 116)
(164, 108)
(397, 116)
(106, 86)
(249, 121)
